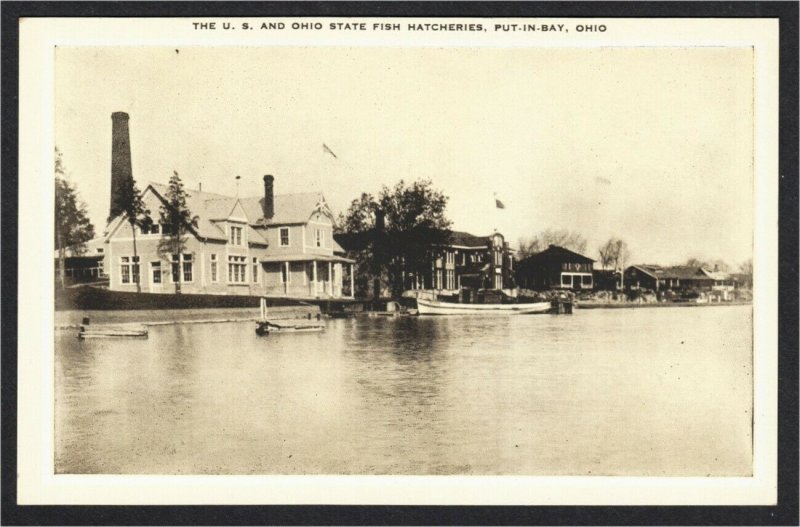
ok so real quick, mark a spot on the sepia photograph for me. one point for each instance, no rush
(414, 261)
(437, 251)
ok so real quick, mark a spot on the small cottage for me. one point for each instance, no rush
(555, 268)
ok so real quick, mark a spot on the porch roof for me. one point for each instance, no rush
(277, 258)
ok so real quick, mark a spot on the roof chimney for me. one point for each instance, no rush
(120, 161)
(269, 197)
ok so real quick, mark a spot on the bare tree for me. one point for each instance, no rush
(615, 253)
(746, 267)
(695, 262)
(563, 238)
(607, 253)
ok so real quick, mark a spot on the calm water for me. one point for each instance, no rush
(621, 391)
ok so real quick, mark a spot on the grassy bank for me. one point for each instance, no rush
(96, 299)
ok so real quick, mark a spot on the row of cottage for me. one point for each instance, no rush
(284, 245)
(269, 245)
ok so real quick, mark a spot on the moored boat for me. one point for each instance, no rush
(108, 332)
(266, 328)
(434, 307)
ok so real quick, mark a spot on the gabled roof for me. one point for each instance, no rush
(289, 208)
(680, 272)
(210, 207)
(556, 253)
(465, 239)
(357, 241)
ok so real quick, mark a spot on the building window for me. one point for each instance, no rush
(586, 280)
(237, 269)
(187, 267)
(153, 228)
(284, 236)
(129, 269)
(155, 272)
(236, 235)
(99, 250)
(320, 236)
(214, 271)
(255, 270)
(185, 263)
(566, 280)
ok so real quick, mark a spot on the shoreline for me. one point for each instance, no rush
(634, 305)
(71, 319)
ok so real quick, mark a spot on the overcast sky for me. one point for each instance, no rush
(651, 145)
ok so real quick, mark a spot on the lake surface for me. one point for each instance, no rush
(618, 391)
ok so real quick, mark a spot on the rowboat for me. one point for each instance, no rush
(266, 328)
(433, 307)
(108, 332)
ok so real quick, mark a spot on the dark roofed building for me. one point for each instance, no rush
(555, 268)
(678, 277)
(465, 261)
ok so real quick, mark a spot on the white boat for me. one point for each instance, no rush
(107, 332)
(433, 307)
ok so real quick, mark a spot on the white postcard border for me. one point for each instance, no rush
(37, 483)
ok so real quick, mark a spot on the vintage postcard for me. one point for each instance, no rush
(398, 261)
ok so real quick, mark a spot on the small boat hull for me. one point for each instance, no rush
(431, 307)
(110, 332)
(268, 328)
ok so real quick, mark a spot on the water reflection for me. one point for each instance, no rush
(660, 391)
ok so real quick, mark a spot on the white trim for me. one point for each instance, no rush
(180, 263)
(288, 237)
(150, 276)
(211, 267)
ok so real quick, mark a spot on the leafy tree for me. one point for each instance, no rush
(360, 215)
(360, 220)
(137, 215)
(414, 223)
(72, 226)
(561, 237)
(176, 220)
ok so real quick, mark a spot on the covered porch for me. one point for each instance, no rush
(308, 276)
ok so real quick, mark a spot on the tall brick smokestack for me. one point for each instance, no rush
(269, 197)
(120, 160)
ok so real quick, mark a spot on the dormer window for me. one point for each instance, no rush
(320, 236)
(236, 235)
(153, 228)
(284, 234)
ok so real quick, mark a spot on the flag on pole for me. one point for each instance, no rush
(499, 204)
(328, 150)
